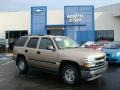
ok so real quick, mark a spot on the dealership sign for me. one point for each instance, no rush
(79, 23)
(38, 20)
(74, 17)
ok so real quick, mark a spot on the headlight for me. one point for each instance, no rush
(89, 62)
(117, 54)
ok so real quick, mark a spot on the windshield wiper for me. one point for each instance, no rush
(71, 47)
(76, 47)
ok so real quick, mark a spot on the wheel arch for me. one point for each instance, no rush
(68, 62)
(18, 56)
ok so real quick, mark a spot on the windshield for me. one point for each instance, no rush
(65, 42)
(113, 45)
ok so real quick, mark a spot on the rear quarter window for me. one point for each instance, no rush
(21, 41)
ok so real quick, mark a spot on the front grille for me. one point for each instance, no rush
(98, 66)
(111, 60)
(100, 58)
(100, 63)
(114, 60)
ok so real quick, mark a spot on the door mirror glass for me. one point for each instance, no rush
(50, 47)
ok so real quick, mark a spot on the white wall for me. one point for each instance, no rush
(103, 21)
(55, 17)
(114, 9)
(106, 21)
(11, 21)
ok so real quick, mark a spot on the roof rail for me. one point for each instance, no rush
(36, 35)
(40, 34)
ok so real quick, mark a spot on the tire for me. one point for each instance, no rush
(73, 78)
(22, 65)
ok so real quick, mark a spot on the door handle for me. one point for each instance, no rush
(26, 51)
(38, 52)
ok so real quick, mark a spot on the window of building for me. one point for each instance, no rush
(45, 42)
(21, 41)
(55, 32)
(105, 35)
(32, 43)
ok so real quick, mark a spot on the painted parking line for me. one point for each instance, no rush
(4, 58)
(7, 62)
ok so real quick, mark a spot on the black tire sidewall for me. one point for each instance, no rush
(25, 67)
(76, 71)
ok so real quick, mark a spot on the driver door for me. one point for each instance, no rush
(47, 58)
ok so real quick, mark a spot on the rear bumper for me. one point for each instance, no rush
(90, 75)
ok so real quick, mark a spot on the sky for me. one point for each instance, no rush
(18, 5)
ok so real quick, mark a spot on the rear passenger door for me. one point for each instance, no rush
(31, 50)
(19, 47)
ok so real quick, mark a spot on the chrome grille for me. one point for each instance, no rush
(100, 62)
(100, 58)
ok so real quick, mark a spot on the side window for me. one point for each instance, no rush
(32, 43)
(45, 42)
(21, 41)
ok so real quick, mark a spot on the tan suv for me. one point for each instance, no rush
(61, 55)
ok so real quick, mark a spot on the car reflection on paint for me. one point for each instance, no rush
(86, 44)
(112, 51)
(99, 45)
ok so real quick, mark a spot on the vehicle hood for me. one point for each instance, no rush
(82, 53)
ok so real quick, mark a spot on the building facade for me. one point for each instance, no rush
(106, 23)
(78, 22)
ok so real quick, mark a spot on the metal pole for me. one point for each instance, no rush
(7, 43)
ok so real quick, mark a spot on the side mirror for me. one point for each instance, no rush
(51, 48)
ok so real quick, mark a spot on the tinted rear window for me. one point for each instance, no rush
(21, 41)
(32, 43)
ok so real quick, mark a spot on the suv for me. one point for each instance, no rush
(61, 55)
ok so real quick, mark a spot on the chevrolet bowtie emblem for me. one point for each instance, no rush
(38, 10)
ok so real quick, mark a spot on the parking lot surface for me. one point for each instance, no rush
(11, 79)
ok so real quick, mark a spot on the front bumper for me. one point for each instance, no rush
(90, 75)
(113, 60)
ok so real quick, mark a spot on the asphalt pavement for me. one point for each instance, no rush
(11, 79)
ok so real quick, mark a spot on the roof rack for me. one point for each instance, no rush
(36, 35)
(40, 34)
